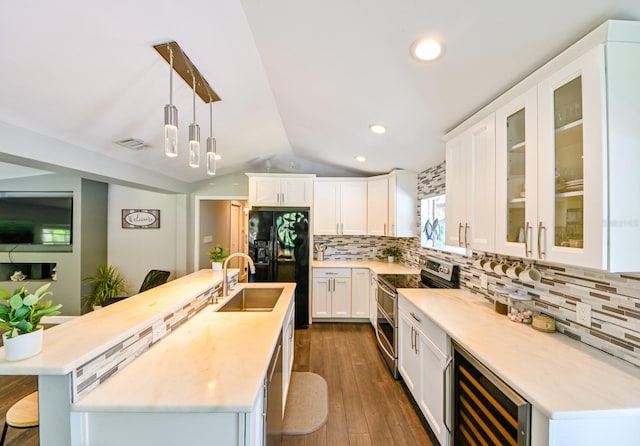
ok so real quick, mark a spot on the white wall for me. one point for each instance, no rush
(136, 251)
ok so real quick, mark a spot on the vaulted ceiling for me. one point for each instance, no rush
(300, 81)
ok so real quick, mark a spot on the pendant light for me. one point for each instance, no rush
(170, 117)
(211, 144)
(194, 134)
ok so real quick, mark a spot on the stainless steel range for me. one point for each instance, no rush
(435, 273)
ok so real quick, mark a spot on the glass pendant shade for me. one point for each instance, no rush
(211, 156)
(194, 145)
(170, 130)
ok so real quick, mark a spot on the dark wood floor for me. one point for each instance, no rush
(366, 405)
(12, 389)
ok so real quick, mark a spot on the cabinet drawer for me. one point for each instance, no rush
(331, 272)
(434, 334)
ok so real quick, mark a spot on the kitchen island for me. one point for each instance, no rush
(164, 351)
(579, 395)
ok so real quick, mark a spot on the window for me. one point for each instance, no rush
(432, 222)
(56, 235)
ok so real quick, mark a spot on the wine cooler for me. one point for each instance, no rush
(486, 410)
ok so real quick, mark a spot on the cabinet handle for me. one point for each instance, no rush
(466, 229)
(415, 317)
(445, 394)
(541, 228)
(460, 234)
(341, 228)
(337, 228)
(528, 229)
(329, 286)
(393, 229)
(413, 347)
(384, 232)
(416, 341)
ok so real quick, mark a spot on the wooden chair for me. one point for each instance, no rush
(22, 415)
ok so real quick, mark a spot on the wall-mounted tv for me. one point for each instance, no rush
(36, 221)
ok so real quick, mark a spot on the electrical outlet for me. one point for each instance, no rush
(483, 282)
(583, 313)
(207, 239)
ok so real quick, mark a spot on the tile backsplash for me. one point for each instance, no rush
(614, 298)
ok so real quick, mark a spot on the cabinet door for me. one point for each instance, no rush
(287, 353)
(297, 191)
(353, 207)
(393, 206)
(516, 176)
(377, 206)
(481, 230)
(341, 297)
(360, 292)
(322, 296)
(403, 191)
(408, 360)
(373, 300)
(325, 208)
(265, 191)
(572, 153)
(456, 177)
(432, 391)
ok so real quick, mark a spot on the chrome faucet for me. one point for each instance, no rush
(225, 282)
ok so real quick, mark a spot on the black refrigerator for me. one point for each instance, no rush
(279, 247)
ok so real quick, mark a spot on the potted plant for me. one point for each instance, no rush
(20, 315)
(108, 284)
(217, 255)
(391, 253)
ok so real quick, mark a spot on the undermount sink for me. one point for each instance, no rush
(253, 299)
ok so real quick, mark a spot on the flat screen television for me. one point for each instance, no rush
(36, 221)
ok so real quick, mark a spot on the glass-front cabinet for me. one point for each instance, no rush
(572, 156)
(516, 176)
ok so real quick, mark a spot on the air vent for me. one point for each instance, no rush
(132, 143)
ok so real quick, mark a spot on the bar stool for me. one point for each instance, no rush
(22, 415)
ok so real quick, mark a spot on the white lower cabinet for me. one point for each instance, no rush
(373, 299)
(288, 331)
(331, 293)
(360, 293)
(423, 359)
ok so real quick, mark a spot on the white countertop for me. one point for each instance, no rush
(561, 377)
(73, 343)
(215, 362)
(376, 266)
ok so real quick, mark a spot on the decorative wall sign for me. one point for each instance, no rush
(141, 218)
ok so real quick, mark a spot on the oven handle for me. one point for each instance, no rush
(386, 290)
(381, 344)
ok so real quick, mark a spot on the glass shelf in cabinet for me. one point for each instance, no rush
(518, 148)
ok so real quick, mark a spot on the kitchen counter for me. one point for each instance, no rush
(69, 345)
(562, 378)
(376, 266)
(215, 362)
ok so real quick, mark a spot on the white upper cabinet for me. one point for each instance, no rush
(340, 207)
(403, 204)
(516, 176)
(567, 160)
(280, 190)
(378, 205)
(470, 187)
(572, 160)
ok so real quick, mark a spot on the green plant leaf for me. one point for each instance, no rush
(4, 294)
(30, 300)
(16, 301)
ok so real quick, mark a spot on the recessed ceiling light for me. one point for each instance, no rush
(426, 49)
(378, 128)
(361, 159)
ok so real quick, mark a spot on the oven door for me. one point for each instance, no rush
(386, 328)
